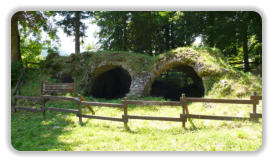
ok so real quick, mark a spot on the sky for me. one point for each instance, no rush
(68, 44)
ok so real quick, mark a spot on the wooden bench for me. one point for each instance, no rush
(47, 88)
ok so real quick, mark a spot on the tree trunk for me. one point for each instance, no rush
(211, 23)
(245, 50)
(172, 37)
(124, 34)
(167, 36)
(150, 33)
(15, 40)
(77, 32)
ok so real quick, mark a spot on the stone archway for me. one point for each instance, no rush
(175, 81)
(191, 69)
(111, 84)
(144, 70)
(109, 81)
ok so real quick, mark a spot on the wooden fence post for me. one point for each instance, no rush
(43, 103)
(42, 87)
(80, 112)
(19, 88)
(183, 104)
(255, 109)
(124, 116)
(14, 104)
(89, 108)
(74, 87)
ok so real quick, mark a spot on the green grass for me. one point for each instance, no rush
(62, 131)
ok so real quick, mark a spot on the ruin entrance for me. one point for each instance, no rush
(112, 84)
(65, 78)
(181, 79)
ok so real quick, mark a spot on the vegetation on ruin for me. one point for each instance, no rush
(228, 58)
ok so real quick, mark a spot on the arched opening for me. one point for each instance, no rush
(114, 83)
(65, 78)
(181, 79)
(62, 77)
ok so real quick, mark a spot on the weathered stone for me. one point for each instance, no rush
(142, 76)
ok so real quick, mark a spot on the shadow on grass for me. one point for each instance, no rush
(31, 132)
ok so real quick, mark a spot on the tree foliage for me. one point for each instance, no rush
(27, 42)
(30, 28)
(72, 25)
(238, 34)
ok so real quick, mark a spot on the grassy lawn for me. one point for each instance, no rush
(62, 131)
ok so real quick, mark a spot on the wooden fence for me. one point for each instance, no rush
(183, 117)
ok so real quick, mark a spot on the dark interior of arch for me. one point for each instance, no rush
(61, 77)
(181, 79)
(65, 78)
(112, 84)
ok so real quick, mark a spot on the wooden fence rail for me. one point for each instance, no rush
(156, 103)
(212, 100)
(102, 104)
(183, 117)
(18, 107)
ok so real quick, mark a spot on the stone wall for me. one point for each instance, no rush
(142, 80)
(144, 69)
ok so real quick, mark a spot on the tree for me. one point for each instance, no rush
(250, 24)
(29, 25)
(230, 31)
(142, 29)
(123, 30)
(114, 34)
(238, 34)
(150, 32)
(15, 39)
(72, 25)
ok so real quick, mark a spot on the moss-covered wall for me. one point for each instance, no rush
(218, 78)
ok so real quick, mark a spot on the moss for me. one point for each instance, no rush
(210, 62)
